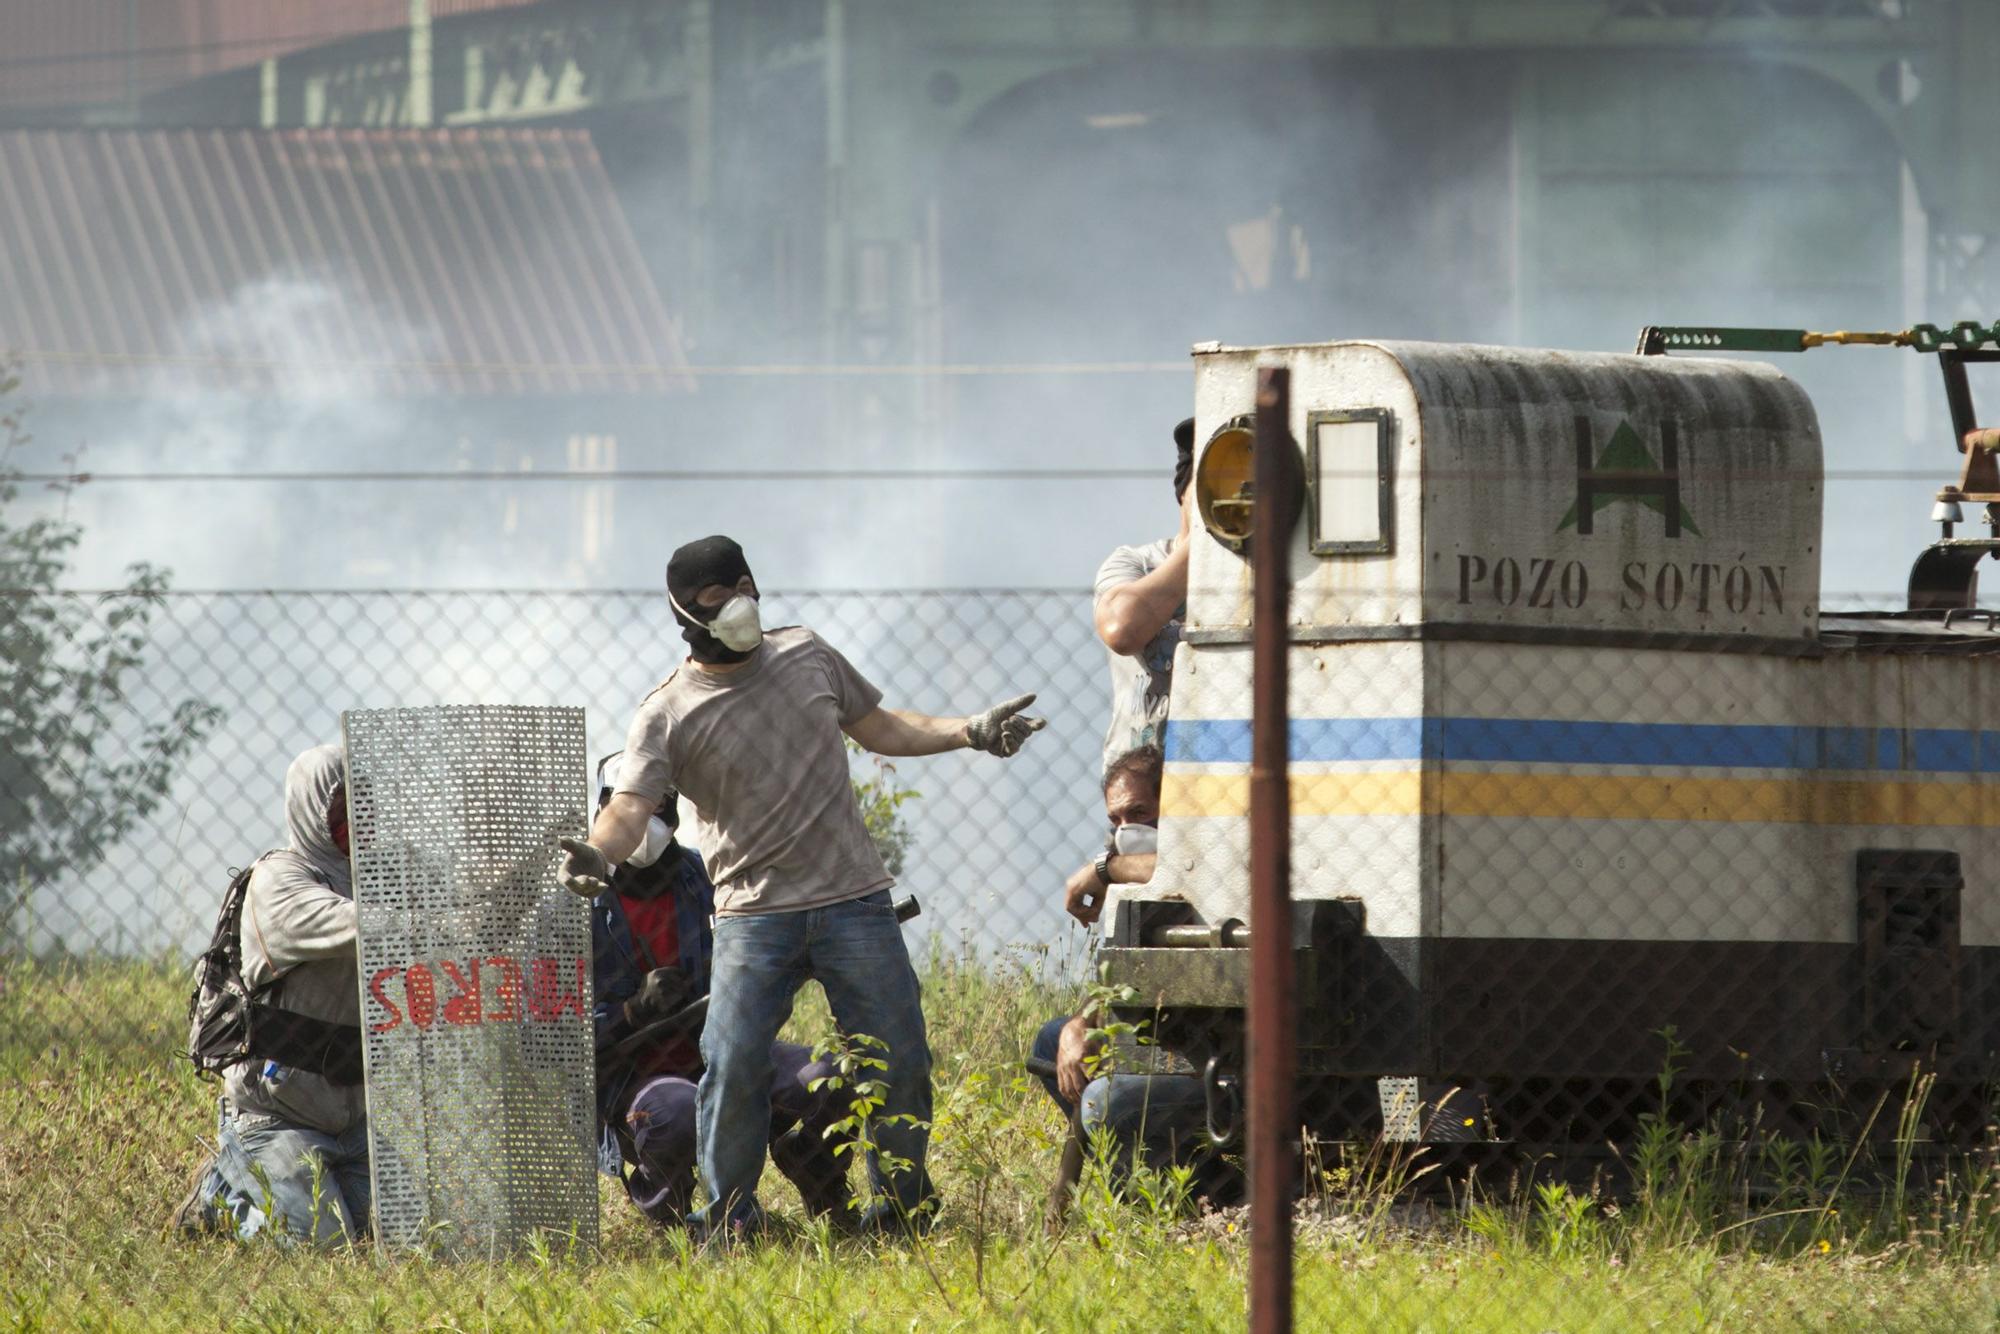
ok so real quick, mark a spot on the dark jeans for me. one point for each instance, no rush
(1165, 1116)
(855, 950)
(660, 1129)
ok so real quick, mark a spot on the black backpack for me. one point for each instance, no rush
(229, 1022)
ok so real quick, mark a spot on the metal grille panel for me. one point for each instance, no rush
(475, 975)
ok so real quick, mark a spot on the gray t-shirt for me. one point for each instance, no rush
(1139, 682)
(759, 754)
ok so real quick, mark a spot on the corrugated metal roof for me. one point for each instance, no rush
(403, 261)
(62, 52)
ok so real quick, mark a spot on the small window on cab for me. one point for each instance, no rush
(1350, 476)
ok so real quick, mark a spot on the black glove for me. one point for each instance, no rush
(664, 992)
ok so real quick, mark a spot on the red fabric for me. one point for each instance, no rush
(657, 936)
(654, 930)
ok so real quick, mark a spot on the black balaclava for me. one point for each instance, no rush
(1183, 456)
(711, 560)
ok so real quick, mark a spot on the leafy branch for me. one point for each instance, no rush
(74, 776)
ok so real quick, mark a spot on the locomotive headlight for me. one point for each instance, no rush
(1223, 490)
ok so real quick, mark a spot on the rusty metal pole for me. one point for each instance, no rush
(1273, 1028)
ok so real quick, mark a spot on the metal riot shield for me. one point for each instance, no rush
(475, 976)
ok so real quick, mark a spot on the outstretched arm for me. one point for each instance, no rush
(1000, 730)
(621, 826)
(899, 732)
(618, 830)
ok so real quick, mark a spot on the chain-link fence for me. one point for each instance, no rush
(252, 679)
(1628, 977)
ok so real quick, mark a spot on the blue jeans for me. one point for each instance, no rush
(287, 1158)
(1165, 1115)
(855, 950)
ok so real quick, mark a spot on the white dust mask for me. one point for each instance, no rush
(1135, 840)
(737, 625)
(657, 840)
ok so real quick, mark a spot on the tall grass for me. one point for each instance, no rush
(100, 1128)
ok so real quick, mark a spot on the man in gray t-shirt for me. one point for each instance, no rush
(1140, 603)
(775, 820)
(750, 730)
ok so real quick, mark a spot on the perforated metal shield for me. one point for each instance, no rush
(475, 975)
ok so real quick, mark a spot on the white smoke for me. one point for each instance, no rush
(253, 389)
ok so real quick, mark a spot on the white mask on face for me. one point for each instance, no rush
(737, 624)
(736, 627)
(657, 840)
(1135, 840)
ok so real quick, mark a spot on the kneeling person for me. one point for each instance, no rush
(292, 1136)
(652, 940)
(1163, 1116)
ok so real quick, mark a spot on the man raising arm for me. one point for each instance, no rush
(1141, 597)
(750, 732)
(894, 733)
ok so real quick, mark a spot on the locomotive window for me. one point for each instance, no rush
(1350, 474)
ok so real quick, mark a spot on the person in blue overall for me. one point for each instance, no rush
(652, 939)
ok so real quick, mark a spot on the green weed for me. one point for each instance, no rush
(100, 1127)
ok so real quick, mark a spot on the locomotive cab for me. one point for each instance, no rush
(1579, 772)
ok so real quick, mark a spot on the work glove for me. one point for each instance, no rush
(584, 871)
(1001, 730)
(664, 992)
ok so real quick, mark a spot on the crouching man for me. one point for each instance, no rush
(1164, 1117)
(652, 940)
(292, 1139)
(750, 729)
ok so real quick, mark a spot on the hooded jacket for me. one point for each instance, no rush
(299, 924)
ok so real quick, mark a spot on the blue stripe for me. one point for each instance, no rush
(1953, 752)
(1312, 739)
(1552, 741)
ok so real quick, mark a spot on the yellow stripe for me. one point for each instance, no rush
(1194, 794)
(1541, 796)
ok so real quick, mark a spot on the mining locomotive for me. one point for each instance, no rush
(1586, 787)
